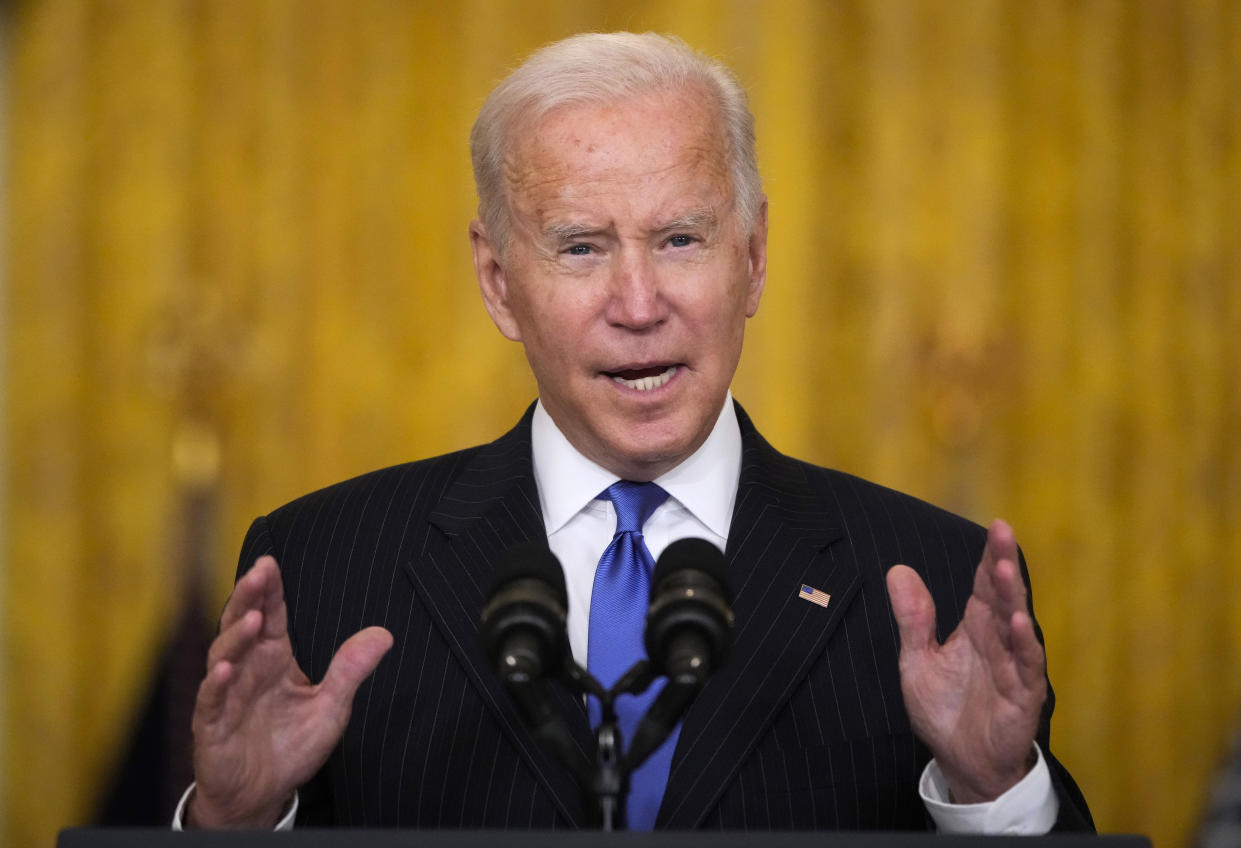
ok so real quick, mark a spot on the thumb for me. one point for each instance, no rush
(913, 609)
(354, 662)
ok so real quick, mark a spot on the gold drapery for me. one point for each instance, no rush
(1005, 276)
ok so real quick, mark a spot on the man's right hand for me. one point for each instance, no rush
(261, 728)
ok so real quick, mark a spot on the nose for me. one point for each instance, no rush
(635, 299)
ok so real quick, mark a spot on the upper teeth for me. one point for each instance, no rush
(645, 384)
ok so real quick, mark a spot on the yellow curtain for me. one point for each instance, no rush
(1005, 276)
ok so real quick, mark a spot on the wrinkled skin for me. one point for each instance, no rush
(626, 256)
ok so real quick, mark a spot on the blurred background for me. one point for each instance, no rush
(1005, 276)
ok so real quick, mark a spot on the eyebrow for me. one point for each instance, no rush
(693, 220)
(568, 232)
(704, 218)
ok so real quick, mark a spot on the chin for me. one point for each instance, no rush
(648, 458)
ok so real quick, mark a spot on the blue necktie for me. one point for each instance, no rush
(618, 605)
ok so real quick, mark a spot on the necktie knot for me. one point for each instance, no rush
(634, 503)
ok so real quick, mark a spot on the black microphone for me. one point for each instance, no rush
(522, 628)
(522, 631)
(689, 632)
(689, 628)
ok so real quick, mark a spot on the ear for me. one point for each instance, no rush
(493, 281)
(758, 259)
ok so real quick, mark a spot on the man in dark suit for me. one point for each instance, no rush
(622, 241)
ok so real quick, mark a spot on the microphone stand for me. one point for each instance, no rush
(606, 784)
(609, 783)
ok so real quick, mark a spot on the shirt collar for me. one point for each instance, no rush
(705, 483)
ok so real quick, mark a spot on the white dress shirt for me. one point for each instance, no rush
(579, 527)
(702, 491)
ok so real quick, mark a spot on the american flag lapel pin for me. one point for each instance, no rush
(815, 596)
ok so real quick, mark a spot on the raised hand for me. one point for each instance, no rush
(975, 700)
(261, 728)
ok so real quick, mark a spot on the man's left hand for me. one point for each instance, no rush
(975, 700)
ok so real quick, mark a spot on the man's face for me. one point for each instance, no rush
(628, 276)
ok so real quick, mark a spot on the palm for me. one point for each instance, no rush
(974, 700)
(261, 728)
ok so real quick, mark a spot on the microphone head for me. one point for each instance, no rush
(692, 554)
(530, 560)
(522, 626)
(690, 617)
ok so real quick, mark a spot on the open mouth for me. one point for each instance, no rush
(644, 379)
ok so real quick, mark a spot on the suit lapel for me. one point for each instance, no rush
(778, 541)
(490, 504)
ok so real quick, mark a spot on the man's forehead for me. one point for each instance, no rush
(548, 159)
(579, 169)
(632, 138)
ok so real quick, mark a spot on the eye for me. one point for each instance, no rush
(680, 241)
(579, 250)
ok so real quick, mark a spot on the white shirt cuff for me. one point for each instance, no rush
(178, 818)
(1028, 808)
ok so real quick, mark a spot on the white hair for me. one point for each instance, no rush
(594, 68)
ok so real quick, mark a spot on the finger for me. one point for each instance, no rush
(227, 691)
(275, 614)
(1031, 660)
(913, 608)
(219, 708)
(251, 591)
(234, 641)
(1007, 639)
(1001, 546)
(1009, 590)
(354, 662)
(213, 693)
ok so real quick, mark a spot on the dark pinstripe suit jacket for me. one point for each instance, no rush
(803, 728)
